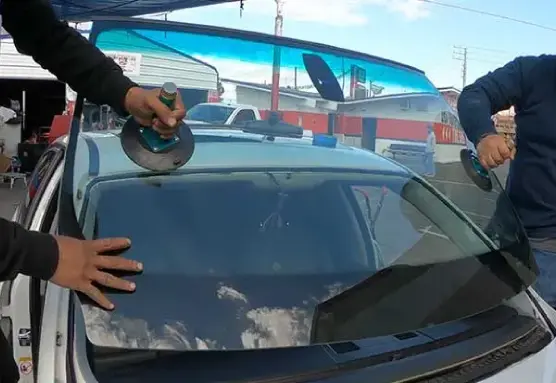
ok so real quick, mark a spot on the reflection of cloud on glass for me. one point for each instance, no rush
(224, 292)
(277, 328)
(387, 79)
(113, 330)
(255, 73)
(281, 327)
(333, 290)
(259, 327)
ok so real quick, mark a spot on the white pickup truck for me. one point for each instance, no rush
(222, 113)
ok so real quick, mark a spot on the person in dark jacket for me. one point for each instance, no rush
(66, 261)
(529, 85)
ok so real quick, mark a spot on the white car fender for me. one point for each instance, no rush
(537, 368)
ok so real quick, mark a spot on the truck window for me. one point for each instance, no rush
(209, 113)
(244, 116)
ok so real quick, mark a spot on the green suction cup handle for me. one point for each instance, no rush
(154, 141)
(168, 95)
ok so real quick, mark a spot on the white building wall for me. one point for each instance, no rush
(261, 99)
(154, 70)
(14, 65)
(415, 108)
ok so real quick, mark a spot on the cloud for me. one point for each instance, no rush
(411, 9)
(336, 12)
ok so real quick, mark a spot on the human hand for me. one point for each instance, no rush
(148, 110)
(494, 150)
(81, 263)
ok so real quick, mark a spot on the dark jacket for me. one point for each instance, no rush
(37, 32)
(528, 84)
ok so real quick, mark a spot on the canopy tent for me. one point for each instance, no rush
(82, 10)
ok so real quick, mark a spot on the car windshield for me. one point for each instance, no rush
(267, 240)
(212, 113)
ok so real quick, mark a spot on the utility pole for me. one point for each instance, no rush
(278, 25)
(279, 20)
(460, 54)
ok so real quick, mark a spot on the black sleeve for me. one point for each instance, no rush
(492, 93)
(60, 49)
(26, 252)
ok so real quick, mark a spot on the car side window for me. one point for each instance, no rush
(39, 178)
(244, 116)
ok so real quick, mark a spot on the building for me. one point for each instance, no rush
(451, 95)
(503, 121)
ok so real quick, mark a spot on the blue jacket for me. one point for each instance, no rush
(529, 84)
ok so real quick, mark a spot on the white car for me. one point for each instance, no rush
(274, 257)
(222, 113)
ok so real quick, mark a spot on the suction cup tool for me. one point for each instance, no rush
(478, 174)
(144, 146)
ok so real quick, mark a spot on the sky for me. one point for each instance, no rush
(410, 31)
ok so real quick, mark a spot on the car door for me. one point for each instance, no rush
(20, 312)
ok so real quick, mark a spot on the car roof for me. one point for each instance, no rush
(229, 149)
(100, 154)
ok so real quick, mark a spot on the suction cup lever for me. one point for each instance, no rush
(474, 170)
(144, 145)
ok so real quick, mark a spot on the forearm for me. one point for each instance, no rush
(26, 252)
(499, 90)
(474, 109)
(63, 51)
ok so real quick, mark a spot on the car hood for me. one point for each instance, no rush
(537, 368)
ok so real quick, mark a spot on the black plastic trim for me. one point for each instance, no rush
(462, 361)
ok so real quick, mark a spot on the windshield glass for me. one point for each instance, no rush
(258, 241)
(213, 113)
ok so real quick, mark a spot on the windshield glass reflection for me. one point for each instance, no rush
(259, 240)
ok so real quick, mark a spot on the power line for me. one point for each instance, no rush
(466, 54)
(481, 60)
(490, 14)
(487, 49)
(482, 54)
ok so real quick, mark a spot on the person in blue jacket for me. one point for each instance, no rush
(529, 85)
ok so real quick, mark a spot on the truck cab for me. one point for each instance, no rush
(222, 113)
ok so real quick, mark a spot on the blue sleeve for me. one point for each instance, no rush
(492, 93)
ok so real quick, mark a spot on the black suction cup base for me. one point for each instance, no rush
(483, 181)
(166, 160)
